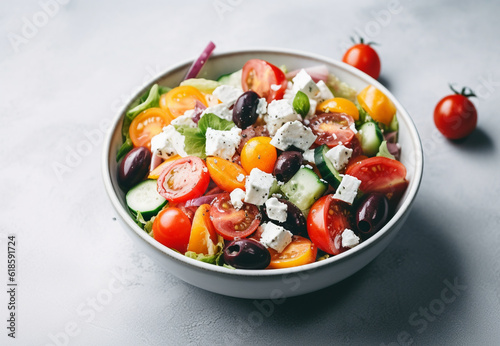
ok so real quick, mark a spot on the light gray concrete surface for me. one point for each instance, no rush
(65, 69)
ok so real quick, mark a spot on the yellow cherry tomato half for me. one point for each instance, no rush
(299, 252)
(226, 174)
(146, 125)
(180, 99)
(339, 105)
(203, 237)
(377, 104)
(259, 153)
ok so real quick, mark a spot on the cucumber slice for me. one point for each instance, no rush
(144, 198)
(233, 79)
(325, 166)
(304, 188)
(370, 138)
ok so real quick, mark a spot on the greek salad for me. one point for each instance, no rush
(263, 167)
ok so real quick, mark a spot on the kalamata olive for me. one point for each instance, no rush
(372, 213)
(247, 254)
(295, 221)
(287, 164)
(134, 167)
(245, 109)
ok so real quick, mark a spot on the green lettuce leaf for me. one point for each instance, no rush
(213, 121)
(384, 151)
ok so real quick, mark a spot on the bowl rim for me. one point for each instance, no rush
(334, 260)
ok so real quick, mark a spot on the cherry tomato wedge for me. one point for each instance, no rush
(326, 221)
(339, 105)
(226, 174)
(265, 79)
(203, 237)
(332, 129)
(155, 173)
(381, 174)
(146, 125)
(230, 222)
(184, 179)
(172, 228)
(259, 153)
(180, 99)
(299, 252)
(377, 104)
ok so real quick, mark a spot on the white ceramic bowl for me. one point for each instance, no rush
(276, 283)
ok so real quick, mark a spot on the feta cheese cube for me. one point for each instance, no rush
(227, 94)
(339, 156)
(312, 108)
(185, 120)
(275, 237)
(303, 82)
(308, 155)
(293, 133)
(221, 110)
(240, 177)
(347, 189)
(168, 143)
(349, 239)
(237, 196)
(276, 210)
(324, 92)
(258, 186)
(222, 143)
(279, 113)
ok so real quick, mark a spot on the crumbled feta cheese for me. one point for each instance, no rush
(221, 110)
(279, 113)
(168, 143)
(293, 133)
(185, 120)
(227, 94)
(276, 210)
(339, 156)
(262, 106)
(222, 143)
(275, 237)
(303, 82)
(237, 196)
(324, 92)
(347, 189)
(258, 186)
(353, 128)
(349, 239)
(240, 177)
(308, 155)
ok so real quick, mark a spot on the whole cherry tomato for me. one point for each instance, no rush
(364, 58)
(455, 115)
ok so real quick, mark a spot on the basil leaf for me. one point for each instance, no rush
(301, 103)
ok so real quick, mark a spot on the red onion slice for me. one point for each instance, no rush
(317, 73)
(198, 64)
(196, 202)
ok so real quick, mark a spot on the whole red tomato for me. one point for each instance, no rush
(364, 58)
(455, 115)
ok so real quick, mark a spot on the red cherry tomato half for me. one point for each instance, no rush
(455, 115)
(381, 174)
(326, 221)
(332, 128)
(172, 228)
(232, 223)
(265, 79)
(184, 179)
(364, 58)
